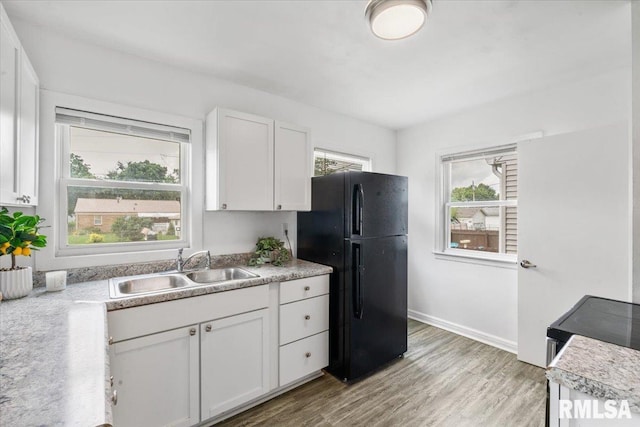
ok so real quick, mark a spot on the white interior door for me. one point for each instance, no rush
(574, 225)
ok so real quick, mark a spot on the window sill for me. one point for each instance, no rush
(491, 260)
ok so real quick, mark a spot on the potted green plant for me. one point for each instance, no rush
(269, 249)
(19, 236)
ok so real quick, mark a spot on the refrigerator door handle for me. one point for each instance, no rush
(358, 208)
(358, 297)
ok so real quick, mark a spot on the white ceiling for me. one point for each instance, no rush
(322, 53)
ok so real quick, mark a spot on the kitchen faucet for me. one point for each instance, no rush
(180, 263)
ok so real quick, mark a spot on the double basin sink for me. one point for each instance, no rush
(162, 282)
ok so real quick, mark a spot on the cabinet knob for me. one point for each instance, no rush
(307, 355)
(114, 397)
(192, 331)
(279, 207)
(224, 206)
(208, 328)
(110, 340)
(307, 317)
(111, 380)
(307, 288)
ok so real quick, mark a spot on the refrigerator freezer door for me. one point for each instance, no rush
(376, 205)
(376, 303)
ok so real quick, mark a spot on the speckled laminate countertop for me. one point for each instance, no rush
(54, 364)
(603, 370)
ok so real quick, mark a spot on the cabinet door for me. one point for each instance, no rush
(234, 361)
(9, 74)
(245, 163)
(157, 379)
(28, 133)
(292, 183)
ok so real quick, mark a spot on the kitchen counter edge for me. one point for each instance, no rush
(599, 369)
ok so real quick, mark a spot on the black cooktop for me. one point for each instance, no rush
(608, 320)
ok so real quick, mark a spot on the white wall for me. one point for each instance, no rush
(75, 67)
(481, 300)
(635, 46)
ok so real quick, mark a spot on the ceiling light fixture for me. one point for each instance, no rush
(397, 19)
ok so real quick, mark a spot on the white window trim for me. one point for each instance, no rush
(97, 220)
(65, 181)
(442, 249)
(51, 200)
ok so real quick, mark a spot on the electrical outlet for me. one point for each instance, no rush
(285, 228)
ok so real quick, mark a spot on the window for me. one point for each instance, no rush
(121, 179)
(480, 203)
(328, 162)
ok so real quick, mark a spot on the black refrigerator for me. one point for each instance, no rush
(358, 226)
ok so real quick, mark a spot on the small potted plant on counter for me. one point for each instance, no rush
(269, 249)
(19, 236)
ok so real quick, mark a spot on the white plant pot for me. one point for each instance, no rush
(16, 283)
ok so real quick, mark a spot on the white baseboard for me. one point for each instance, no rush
(474, 334)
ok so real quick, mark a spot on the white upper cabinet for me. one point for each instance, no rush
(28, 133)
(239, 162)
(9, 66)
(19, 109)
(256, 164)
(292, 179)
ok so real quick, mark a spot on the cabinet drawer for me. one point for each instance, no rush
(303, 318)
(303, 357)
(295, 290)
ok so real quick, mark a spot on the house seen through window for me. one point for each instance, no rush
(481, 201)
(123, 181)
(328, 162)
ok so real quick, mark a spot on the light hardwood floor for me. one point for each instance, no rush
(443, 380)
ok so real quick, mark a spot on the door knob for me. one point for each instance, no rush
(527, 264)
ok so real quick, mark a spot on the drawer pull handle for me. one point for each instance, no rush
(192, 331)
(307, 355)
(111, 380)
(307, 288)
(114, 397)
(208, 328)
(307, 317)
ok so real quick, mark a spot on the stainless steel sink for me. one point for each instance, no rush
(220, 275)
(122, 287)
(142, 285)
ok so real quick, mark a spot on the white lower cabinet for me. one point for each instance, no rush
(235, 361)
(171, 366)
(157, 379)
(304, 326)
(573, 408)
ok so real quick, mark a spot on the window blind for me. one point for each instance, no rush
(467, 155)
(121, 125)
